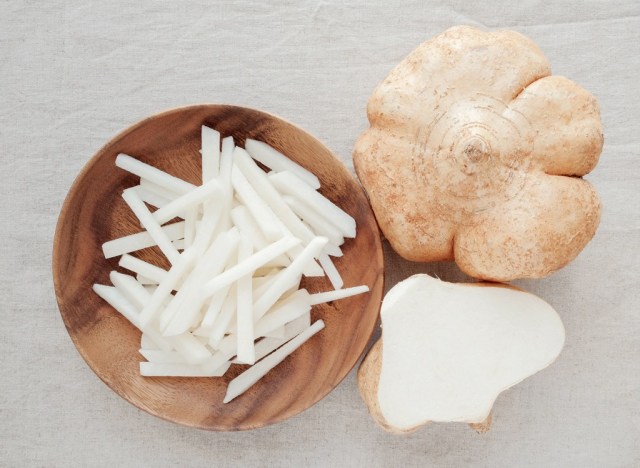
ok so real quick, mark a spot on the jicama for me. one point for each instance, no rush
(141, 240)
(277, 161)
(150, 224)
(233, 292)
(152, 174)
(290, 184)
(210, 153)
(244, 307)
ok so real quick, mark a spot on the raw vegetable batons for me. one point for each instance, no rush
(448, 350)
(232, 294)
(476, 153)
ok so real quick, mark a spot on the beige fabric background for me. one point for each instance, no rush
(73, 74)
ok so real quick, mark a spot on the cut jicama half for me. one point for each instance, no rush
(448, 350)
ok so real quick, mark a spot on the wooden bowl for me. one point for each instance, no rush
(94, 212)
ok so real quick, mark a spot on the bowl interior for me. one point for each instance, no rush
(94, 212)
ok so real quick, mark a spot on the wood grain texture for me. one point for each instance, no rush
(94, 212)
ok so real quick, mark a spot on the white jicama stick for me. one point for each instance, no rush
(319, 224)
(298, 325)
(328, 296)
(140, 240)
(249, 377)
(206, 230)
(158, 369)
(147, 343)
(277, 332)
(159, 356)
(210, 153)
(150, 224)
(174, 275)
(332, 273)
(147, 282)
(295, 285)
(277, 161)
(244, 306)
(226, 165)
(227, 315)
(146, 269)
(291, 308)
(242, 218)
(152, 174)
(288, 276)
(187, 201)
(188, 300)
(290, 184)
(262, 287)
(263, 187)
(213, 310)
(224, 177)
(178, 244)
(249, 265)
(191, 349)
(190, 219)
(158, 190)
(150, 197)
(269, 224)
(129, 287)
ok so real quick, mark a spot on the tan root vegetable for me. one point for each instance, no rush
(475, 153)
(448, 350)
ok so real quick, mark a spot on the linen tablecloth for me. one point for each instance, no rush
(73, 74)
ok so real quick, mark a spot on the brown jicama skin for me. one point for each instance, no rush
(475, 154)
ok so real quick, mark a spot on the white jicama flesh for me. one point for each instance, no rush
(290, 184)
(210, 153)
(147, 270)
(154, 175)
(158, 190)
(150, 224)
(244, 304)
(450, 349)
(277, 161)
(233, 293)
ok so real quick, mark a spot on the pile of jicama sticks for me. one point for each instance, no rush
(244, 241)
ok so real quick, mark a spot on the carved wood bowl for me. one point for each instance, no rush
(94, 212)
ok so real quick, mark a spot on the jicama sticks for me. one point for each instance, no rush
(232, 294)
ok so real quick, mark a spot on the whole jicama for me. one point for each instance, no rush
(476, 154)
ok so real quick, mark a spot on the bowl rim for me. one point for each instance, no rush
(55, 262)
